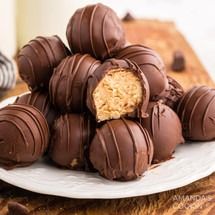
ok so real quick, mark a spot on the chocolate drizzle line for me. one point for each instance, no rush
(112, 163)
(44, 49)
(91, 30)
(53, 89)
(206, 114)
(116, 145)
(134, 146)
(34, 143)
(39, 100)
(82, 122)
(148, 143)
(75, 71)
(144, 52)
(103, 33)
(41, 54)
(103, 144)
(87, 31)
(194, 109)
(36, 121)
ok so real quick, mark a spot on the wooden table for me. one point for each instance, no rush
(197, 198)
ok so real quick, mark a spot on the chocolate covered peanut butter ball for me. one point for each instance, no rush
(72, 134)
(41, 101)
(117, 88)
(68, 84)
(24, 135)
(165, 130)
(96, 30)
(37, 60)
(151, 65)
(121, 150)
(197, 113)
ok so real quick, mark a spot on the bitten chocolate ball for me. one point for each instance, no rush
(121, 150)
(72, 134)
(165, 130)
(117, 88)
(197, 113)
(38, 58)
(151, 65)
(96, 30)
(172, 95)
(68, 84)
(39, 100)
(24, 135)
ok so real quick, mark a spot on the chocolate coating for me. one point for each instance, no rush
(24, 135)
(111, 64)
(96, 30)
(72, 134)
(178, 62)
(172, 95)
(38, 58)
(151, 65)
(39, 100)
(121, 150)
(68, 84)
(197, 113)
(165, 130)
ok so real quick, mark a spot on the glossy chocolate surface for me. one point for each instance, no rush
(37, 60)
(165, 130)
(172, 95)
(68, 84)
(39, 100)
(24, 135)
(197, 113)
(121, 150)
(151, 65)
(72, 134)
(96, 30)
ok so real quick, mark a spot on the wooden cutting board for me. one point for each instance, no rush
(165, 39)
(197, 198)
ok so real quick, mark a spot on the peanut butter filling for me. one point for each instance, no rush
(118, 93)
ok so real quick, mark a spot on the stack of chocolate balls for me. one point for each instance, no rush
(100, 106)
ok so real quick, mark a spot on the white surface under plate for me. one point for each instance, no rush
(191, 162)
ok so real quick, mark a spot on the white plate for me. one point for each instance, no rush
(191, 162)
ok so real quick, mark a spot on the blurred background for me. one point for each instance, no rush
(22, 20)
